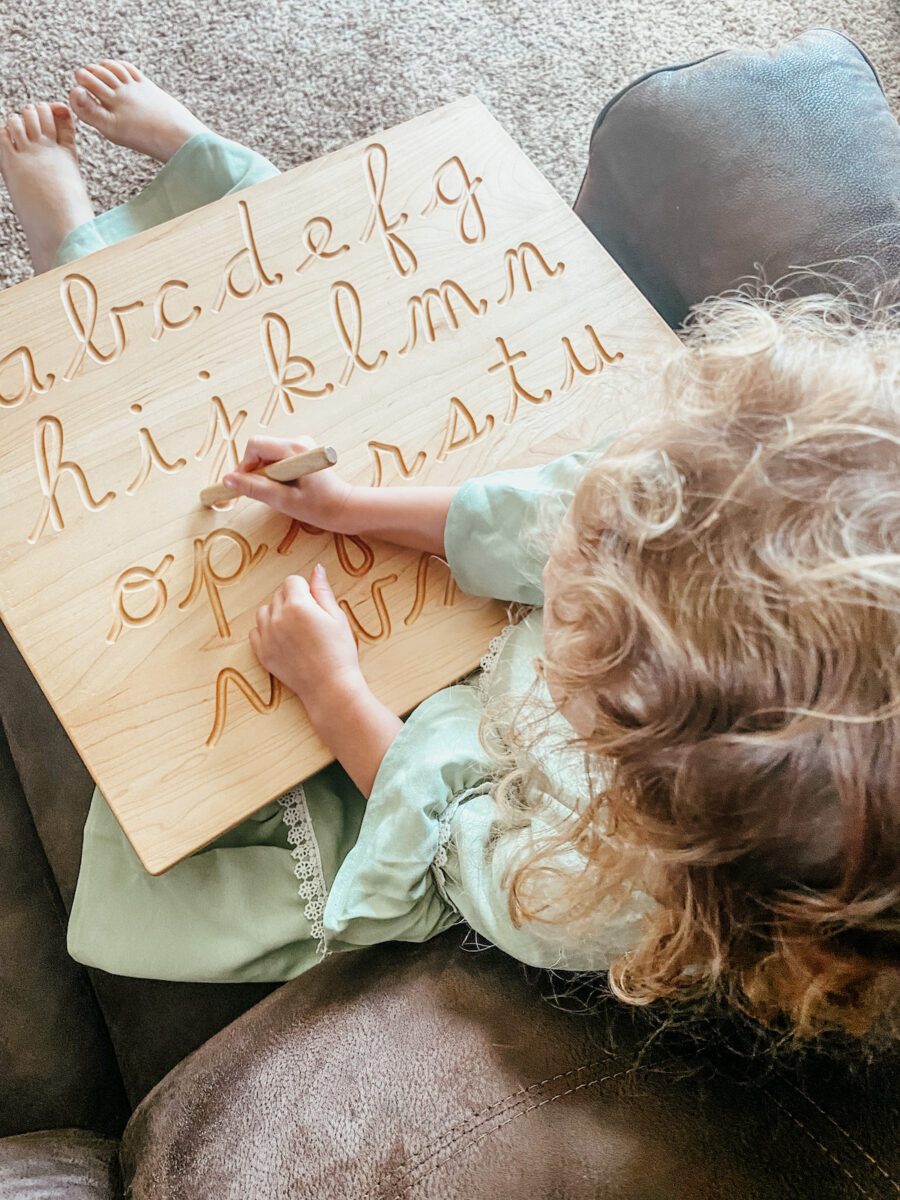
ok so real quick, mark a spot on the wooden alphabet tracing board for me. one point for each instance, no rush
(425, 302)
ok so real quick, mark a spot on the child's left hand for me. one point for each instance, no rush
(304, 638)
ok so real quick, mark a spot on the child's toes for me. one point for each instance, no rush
(93, 83)
(91, 111)
(64, 124)
(110, 78)
(81, 102)
(32, 122)
(116, 68)
(16, 131)
(45, 118)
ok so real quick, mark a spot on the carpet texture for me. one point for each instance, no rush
(295, 79)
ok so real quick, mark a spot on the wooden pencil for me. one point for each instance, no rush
(286, 470)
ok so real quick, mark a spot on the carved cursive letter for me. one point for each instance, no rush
(31, 385)
(206, 574)
(419, 308)
(384, 617)
(161, 321)
(318, 246)
(232, 675)
(350, 334)
(574, 364)
(249, 255)
(276, 340)
(135, 579)
(518, 258)
(401, 255)
(84, 328)
(48, 451)
(517, 389)
(471, 230)
(458, 412)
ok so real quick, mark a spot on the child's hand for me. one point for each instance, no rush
(304, 638)
(320, 499)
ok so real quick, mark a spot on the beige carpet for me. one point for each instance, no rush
(297, 78)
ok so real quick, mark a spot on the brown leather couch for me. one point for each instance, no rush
(442, 1070)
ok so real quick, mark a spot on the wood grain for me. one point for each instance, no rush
(425, 302)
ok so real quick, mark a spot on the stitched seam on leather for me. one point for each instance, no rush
(479, 1118)
(851, 1140)
(521, 1112)
(643, 79)
(859, 51)
(771, 1096)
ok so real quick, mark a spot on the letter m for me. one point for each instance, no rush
(437, 304)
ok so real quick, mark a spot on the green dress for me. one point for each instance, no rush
(321, 869)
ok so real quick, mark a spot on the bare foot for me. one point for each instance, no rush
(39, 164)
(130, 110)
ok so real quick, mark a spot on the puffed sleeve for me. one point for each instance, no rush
(431, 852)
(492, 538)
(471, 874)
(385, 889)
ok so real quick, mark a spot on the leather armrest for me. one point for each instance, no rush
(424, 1071)
(57, 1065)
(51, 1076)
(69, 1163)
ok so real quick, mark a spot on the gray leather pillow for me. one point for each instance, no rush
(746, 162)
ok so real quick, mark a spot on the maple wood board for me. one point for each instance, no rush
(425, 302)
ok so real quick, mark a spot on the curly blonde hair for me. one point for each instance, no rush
(727, 599)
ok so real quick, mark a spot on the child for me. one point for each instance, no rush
(682, 768)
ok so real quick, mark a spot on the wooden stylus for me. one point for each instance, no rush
(284, 471)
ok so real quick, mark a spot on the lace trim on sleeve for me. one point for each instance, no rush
(495, 648)
(445, 834)
(440, 856)
(307, 862)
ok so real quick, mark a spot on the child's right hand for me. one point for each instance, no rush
(321, 499)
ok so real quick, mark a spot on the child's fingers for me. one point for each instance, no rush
(261, 450)
(258, 487)
(295, 589)
(262, 617)
(321, 592)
